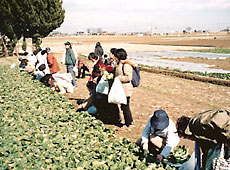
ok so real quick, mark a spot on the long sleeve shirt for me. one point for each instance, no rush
(169, 133)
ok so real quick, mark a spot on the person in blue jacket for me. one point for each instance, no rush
(159, 135)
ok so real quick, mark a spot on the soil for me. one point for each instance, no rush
(177, 96)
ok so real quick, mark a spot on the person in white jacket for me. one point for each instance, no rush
(63, 82)
(42, 59)
(159, 135)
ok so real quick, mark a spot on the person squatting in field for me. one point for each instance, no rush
(159, 135)
(52, 62)
(82, 68)
(97, 105)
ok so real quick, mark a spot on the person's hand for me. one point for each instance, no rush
(160, 157)
(145, 146)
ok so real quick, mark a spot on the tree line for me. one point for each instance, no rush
(28, 19)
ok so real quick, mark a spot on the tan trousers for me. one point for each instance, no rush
(155, 145)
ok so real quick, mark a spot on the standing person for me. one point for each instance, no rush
(159, 135)
(112, 61)
(70, 61)
(124, 73)
(52, 62)
(99, 50)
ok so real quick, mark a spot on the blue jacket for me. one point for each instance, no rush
(169, 133)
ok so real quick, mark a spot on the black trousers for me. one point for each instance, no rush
(82, 71)
(107, 112)
(127, 113)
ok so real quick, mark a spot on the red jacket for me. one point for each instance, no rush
(52, 63)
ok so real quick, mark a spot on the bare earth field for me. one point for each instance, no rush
(177, 96)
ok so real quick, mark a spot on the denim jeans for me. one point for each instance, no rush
(70, 70)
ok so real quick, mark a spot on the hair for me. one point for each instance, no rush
(98, 44)
(182, 124)
(91, 85)
(92, 56)
(24, 63)
(42, 67)
(48, 49)
(120, 54)
(43, 52)
(113, 50)
(48, 80)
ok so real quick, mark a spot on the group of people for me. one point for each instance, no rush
(209, 129)
(160, 135)
(43, 65)
(97, 104)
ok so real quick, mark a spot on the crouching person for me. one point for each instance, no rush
(159, 135)
(63, 82)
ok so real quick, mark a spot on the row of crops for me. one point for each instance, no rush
(224, 76)
(39, 129)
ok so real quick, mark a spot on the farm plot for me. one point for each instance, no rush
(39, 129)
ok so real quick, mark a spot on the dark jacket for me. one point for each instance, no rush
(70, 57)
(99, 51)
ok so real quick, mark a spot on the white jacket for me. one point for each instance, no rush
(64, 80)
(42, 59)
(170, 134)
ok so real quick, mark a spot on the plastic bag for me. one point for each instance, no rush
(75, 69)
(117, 93)
(103, 86)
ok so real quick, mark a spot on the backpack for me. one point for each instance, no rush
(211, 125)
(135, 77)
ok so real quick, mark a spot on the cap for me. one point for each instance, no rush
(67, 43)
(160, 119)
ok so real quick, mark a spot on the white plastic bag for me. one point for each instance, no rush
(103, 86)
(75, 69)
(117, 93)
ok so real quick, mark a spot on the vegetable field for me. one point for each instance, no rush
(39, 129)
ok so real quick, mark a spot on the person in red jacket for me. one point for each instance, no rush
(98, 65)
(52, 62)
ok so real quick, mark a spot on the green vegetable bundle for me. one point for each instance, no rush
(179, 155)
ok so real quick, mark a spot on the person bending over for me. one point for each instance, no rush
(159, 135)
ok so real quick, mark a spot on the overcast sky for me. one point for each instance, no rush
(145, 15)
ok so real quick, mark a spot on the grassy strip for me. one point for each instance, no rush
(216, 50)
(224, 76)
(39, 129)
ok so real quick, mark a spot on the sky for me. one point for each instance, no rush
(145, 15)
